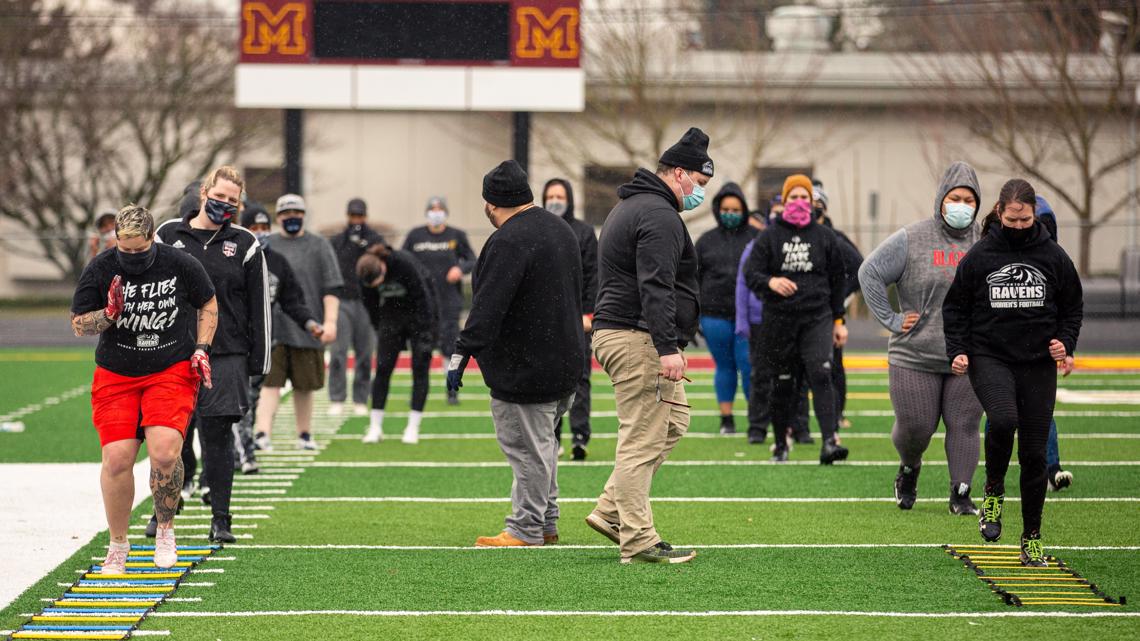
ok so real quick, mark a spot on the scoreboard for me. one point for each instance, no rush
(502, 55)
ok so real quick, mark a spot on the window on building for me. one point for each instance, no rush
(264, 185)
(600, 193)
(770, 183)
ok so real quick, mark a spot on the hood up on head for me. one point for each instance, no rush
(569, 214)
(729, 189)
(958, 174)
(1047, 218)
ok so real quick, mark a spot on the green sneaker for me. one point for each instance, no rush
(662, 553)
(989, 523)
(1032, 551)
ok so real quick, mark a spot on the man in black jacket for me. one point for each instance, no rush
(558, 199)
(647, 313)
(525, 330)
(353, 329)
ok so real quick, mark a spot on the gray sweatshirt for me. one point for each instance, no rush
(920, 260)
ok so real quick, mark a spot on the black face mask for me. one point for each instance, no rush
(292, 226)
(135, 264)
(1016, 237)
(219, 212)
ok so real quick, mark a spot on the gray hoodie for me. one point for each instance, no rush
(920, 260)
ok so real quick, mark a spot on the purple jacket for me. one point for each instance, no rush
(749, 309)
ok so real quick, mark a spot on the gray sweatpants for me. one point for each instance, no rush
(353, 329)
(922, 398)
(527, 440)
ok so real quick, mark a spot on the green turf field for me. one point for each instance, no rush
(373, 541)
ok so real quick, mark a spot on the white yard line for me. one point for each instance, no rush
(668, 499)
(849, 414)
(32, 408)
(845, 434)
(670, 463)
(1019, 614)
(715, 546)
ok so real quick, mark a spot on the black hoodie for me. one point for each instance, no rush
(718, 254)
(233, 259)
(811, 257)
(587, 243)
(647, 266)
(1007, 302)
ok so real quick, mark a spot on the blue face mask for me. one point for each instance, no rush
(693, 200)
(731, 219)
(261, 236)
(959, 215)
(292, 226)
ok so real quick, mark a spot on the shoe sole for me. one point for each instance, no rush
(601, 526)
(659, 560)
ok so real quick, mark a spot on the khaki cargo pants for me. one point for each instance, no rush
(648, 430)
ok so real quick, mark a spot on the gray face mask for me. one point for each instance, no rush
(557, 207)
(436, 217)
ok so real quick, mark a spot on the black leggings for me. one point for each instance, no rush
(796, 349)
(217, 438)
(1017, 397)
(390, 339)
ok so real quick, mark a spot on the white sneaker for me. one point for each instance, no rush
(306, 443)
(411, 435)
(165, 548)
(116, 559)
(336, 409)
(250, 467)
(359, 409)
(375, 435)
(263, 442)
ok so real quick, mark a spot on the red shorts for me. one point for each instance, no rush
(122, 405)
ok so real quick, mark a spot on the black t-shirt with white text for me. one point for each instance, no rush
(159, 326)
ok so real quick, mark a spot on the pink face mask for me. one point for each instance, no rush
(798, 213)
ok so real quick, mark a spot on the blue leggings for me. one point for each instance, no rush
(1052, 452)
(730, 352)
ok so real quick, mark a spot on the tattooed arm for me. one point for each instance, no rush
(96, 322)
(208, 321)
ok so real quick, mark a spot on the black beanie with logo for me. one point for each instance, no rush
(691, 153)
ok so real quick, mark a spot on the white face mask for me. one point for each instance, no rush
(556, 207)
(436, 217)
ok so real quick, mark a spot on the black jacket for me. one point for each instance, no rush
(647, 266)
(587, 245)
(852, 258)
(349, 246)
(525, 325)
(284, 291)
(407, 295)
(810, 257)
(718, 252)
(439, 253)
(233, 259)
(1008, 302)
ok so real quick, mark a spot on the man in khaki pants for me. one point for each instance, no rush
(646, 313)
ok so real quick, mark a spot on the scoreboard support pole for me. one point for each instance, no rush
(521, 138)
(294, 148)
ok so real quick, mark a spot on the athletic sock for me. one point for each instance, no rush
(376, 419)
(414, 419)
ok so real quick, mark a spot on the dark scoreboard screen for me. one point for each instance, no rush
(430, 31)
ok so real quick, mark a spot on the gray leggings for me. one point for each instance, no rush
(920, 399)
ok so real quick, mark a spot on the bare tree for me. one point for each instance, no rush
(1046, 85)
(101, 112)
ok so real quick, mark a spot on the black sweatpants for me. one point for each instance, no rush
(580, 410)
(215, 433)
(1017, 397)
(839, 382)
(760, 394)
(391, 338)
(449, 330)
(799, 348)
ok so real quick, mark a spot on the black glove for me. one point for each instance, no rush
(455, 369)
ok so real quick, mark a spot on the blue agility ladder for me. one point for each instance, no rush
(1000, 568)
(112, 606)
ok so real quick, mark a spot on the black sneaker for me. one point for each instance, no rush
(756, 437)
(578, 452)
(1032, 551)
(831, 452)
(960, 503)
(452, 397)
(220, 527)
(989, 523)
(780, 455)
(204, 493)
(152, 527)
(1058, 479)
(661, 553)
(803, 438)
(727, 424)
(906, 486)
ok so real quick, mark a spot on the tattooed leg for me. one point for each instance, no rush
(165, 488)
(91, 323)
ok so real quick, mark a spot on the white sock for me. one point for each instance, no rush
(414, 419)
(376, 420)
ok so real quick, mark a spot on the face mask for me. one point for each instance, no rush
(135, 264)
(958, 215)
(557, 207)
(292, 226)
(261, 236)
(436, 217)
(693, 199)
(731, 219)
(108, 235)
(219, 212)
(1016, 237)
(797, 213)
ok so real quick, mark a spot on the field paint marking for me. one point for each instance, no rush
(207, 508)
(856, 413)
(720, 546)
(490, 436)
(651, 613)
(737, 463)
(49, 401)
(674, 499)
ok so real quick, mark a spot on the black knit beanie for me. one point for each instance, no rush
(691, 153)
(507, 185)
